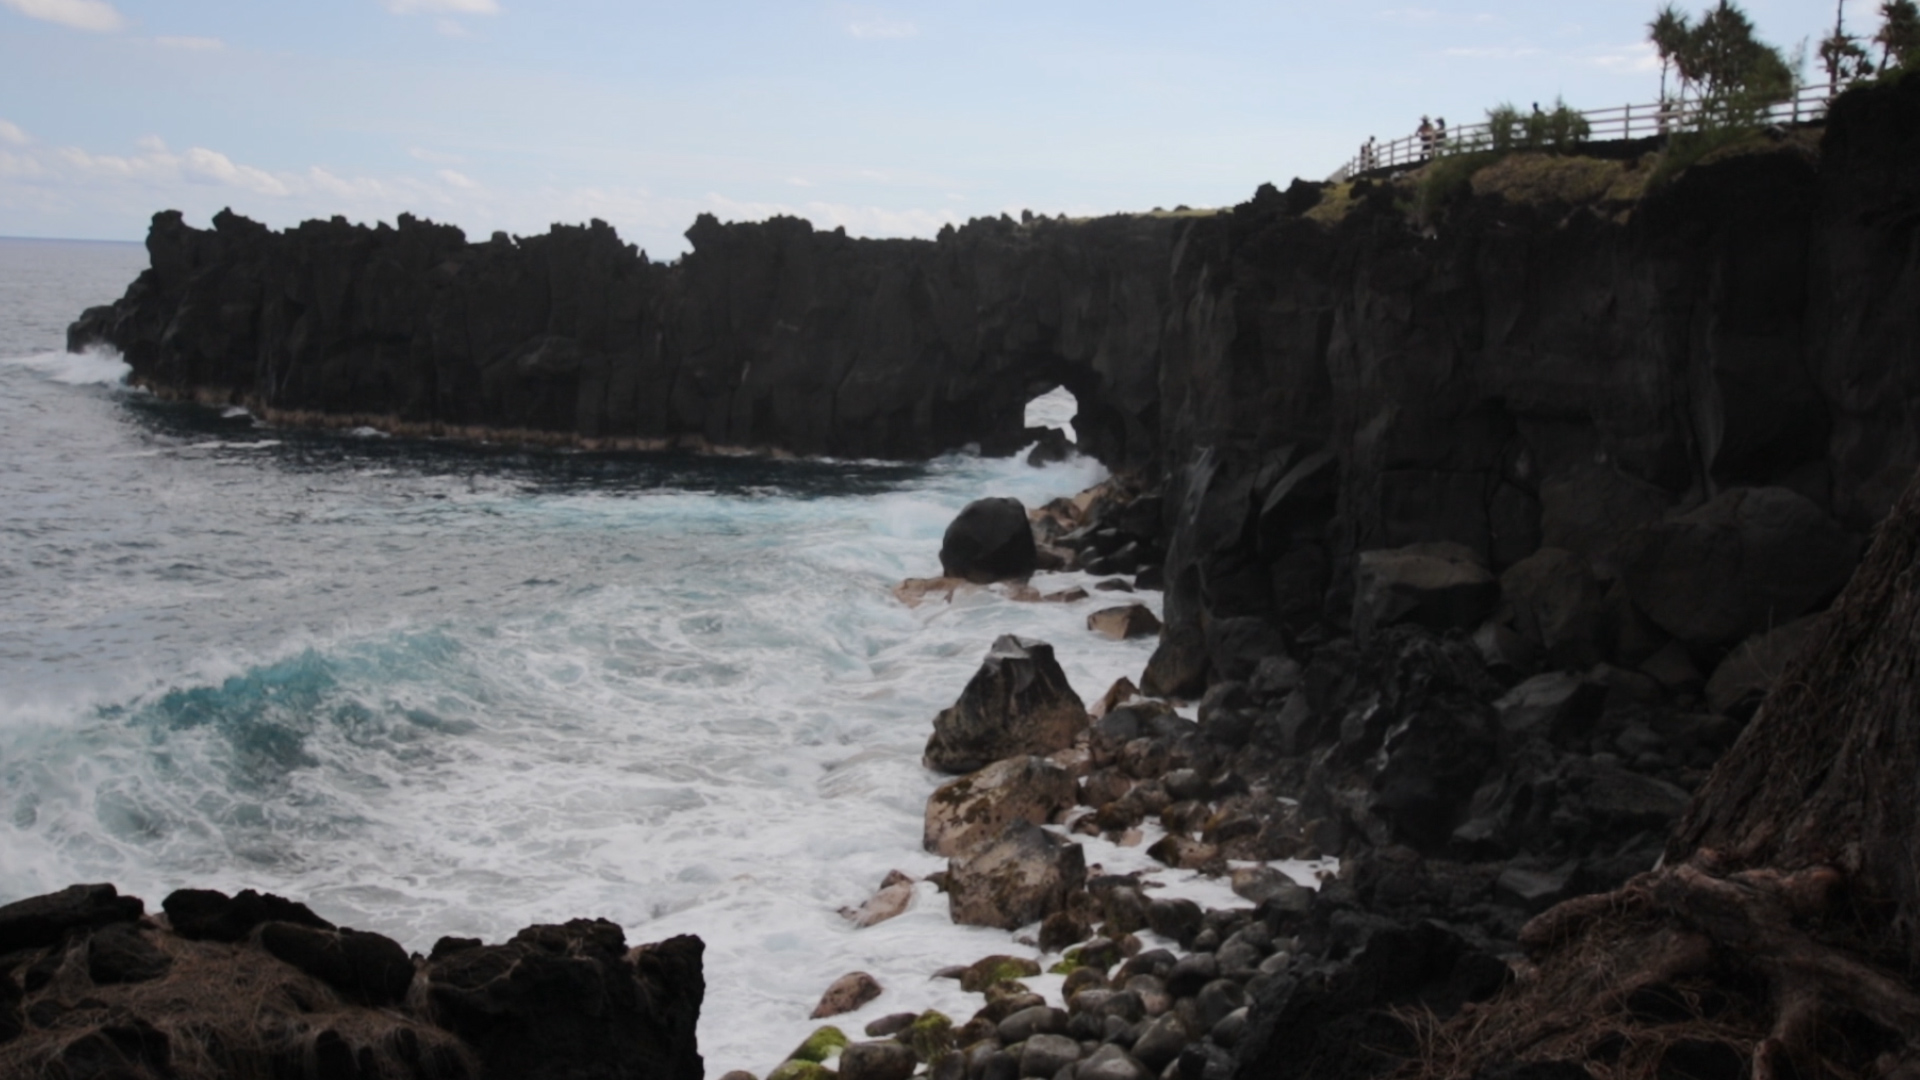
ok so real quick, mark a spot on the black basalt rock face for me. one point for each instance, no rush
(989, 541)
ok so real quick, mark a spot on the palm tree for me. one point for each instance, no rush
(1669, 31)
(1841, 53)
(1899, 36)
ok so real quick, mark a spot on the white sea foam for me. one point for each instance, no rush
(94, 367)
(453, 701)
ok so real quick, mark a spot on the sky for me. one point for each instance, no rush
(887, 119)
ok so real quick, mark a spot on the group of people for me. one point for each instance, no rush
(1431, 133)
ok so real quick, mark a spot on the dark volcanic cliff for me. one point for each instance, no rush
(1503, 373)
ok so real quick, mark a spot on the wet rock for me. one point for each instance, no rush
(1262, 884)
(820, 1044)
(1749, 559)
(890, 1024)
(1752, 668)
(1672, 668)
(1190, 973)
(1021, 878)
(930, 1036)
(1031, 1021)
(1183, 853)
(882, 1060)
(368, 968)
(1046, 1055)
(1533, 891)
(893, 898)
(987, 971)
(1121, 692)
(120, 953)
(39, 921)
(989, 541)
(1177, 919)
(1110, 1062)
(1555, 706)
(848, 992)
(1558, 606)
(571, 1000)
(967, 814)
(1017, 703)
(1124, 622)
(207, 915)
(1217, 1000)
(1160, 1043)
(1440, 586)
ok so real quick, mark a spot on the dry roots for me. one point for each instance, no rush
(1688, 971)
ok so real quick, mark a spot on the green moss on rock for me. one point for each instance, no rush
(819, 1046)
(988, 970)
(930, 1036)
(802, 1070)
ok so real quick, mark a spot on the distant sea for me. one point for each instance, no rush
(434, 688)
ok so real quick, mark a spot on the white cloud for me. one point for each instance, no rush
(882, 28)
(858, 220)
(459, 180)
(1635, 59)
(215, 167)
(439, 7)
(95, 15)
(1493, 52)
(11, 133)
(152, 144)
(191, 44)
(1416, 16)
(434, 157)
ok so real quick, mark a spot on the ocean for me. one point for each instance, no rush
(439, 688)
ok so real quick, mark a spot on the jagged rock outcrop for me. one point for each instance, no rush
(260, 985)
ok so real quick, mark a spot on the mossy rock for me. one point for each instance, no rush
(930, 1036)
(819, 1046)
(988, 970)
(802, 1070)
(1066, 965)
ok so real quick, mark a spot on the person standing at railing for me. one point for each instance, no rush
(1426, 139)
(1440, 135)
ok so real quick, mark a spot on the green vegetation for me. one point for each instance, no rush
(930, 1035)
(1728, 77)
(819, 1046)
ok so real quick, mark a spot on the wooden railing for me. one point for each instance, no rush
(1603, 125)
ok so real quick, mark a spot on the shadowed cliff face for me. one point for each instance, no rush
(767, 335)
(1509, 376)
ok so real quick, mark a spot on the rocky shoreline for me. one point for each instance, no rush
(252, 985)
(1468, 757)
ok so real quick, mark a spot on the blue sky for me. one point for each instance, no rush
(890, 119)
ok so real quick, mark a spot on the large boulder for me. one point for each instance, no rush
(367, 968)
(991, 540)
(967, 814)
(45, 920)
(1018, 703)
(573, 1000)
(1750, 559)
(1558, 606)
(1441, 586)
(1022, 878)
(1750, 670)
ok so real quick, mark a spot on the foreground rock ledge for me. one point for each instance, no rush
(256, 985)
